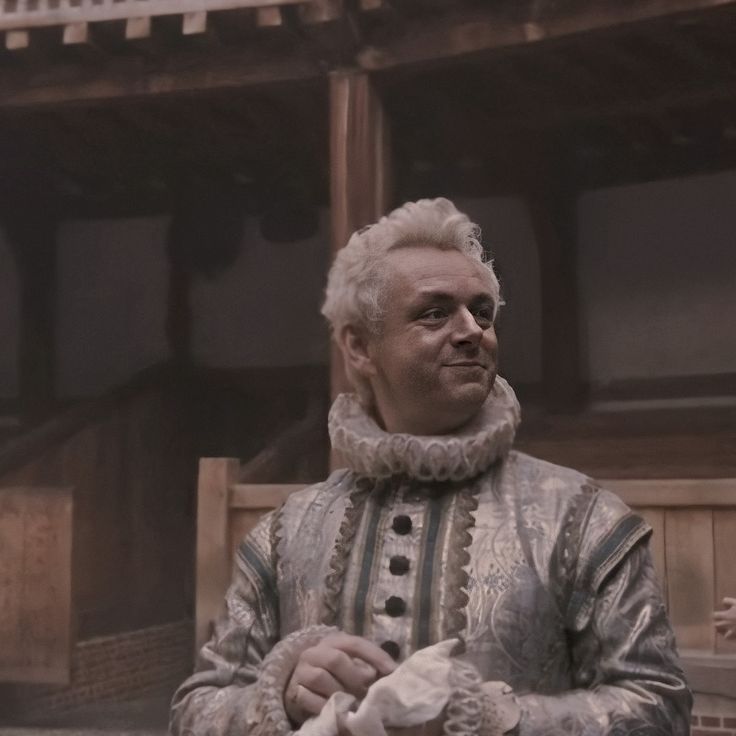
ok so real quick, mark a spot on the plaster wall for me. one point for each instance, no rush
(9, 321)
(507, 233)
(657, 270)
(112, 302)
(264, 310)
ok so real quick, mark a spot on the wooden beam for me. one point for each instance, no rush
(270, 17)
(75, 33)
(194, 23)
(84, 41)
(138, 28)
(710, 492)
(359, 164)
(444, 37)
(17, 40)
(130, 78)
(320, 11)
(655, 104)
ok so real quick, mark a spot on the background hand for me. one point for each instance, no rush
(725, 621)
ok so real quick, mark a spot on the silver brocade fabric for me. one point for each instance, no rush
(547, 579)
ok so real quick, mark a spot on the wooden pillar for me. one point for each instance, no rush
(554, 219)
(32, 237)
(179, 314)
(359, 168)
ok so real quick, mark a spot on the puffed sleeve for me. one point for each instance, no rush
(241, 672)
(626, 674)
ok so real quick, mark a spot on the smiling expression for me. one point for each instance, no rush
(434, 362)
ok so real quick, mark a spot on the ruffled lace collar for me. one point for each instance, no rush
(369, 450)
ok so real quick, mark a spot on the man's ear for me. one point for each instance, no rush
(354, 344)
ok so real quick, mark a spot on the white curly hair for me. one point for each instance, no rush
(356, 283)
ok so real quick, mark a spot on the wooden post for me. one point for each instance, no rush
(179, 314)
(554, 212)
(359, 168)
(33, 243)
(214, 562)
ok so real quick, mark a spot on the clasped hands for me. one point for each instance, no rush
(340, 663)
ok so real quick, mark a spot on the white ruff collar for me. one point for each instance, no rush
(369, 450)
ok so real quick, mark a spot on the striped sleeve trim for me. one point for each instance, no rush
(617, 543)
(258, 568)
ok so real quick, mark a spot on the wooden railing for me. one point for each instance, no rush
(125, 464)
(36, 13)
(694, 523)
(226, 511)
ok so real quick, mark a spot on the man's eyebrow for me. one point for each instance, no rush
(445, 296)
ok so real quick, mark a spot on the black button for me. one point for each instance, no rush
(395, 606)
(391, 648)
(401, 524)
(399, 565)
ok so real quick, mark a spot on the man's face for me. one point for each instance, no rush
(434, 363)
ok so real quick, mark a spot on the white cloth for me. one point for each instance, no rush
(413, 694)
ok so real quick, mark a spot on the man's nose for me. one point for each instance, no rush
(466, 328)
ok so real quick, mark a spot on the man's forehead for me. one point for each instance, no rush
(428, 270)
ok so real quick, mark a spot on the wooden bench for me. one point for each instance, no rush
(693, 545)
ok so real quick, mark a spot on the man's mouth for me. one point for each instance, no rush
(466, 364)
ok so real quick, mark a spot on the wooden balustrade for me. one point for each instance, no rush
(37, 13)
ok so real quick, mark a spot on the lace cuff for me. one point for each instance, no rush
(501, 711)
(479, 708)
(266, 715)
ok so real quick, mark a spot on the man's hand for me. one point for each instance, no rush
(339, 663)
(725, 621)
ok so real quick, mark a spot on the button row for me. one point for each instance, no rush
(398, 565)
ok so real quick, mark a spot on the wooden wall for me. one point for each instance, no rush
(694, 525)
(35, 584)
(132, 473)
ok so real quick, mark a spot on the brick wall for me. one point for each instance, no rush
(714, 716)
(133, 664)
(704, 725)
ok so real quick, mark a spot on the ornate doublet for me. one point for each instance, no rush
(545, 578)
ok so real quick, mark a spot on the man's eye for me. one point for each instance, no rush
(484, 315)
(434, 314)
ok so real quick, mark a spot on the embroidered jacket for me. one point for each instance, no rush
(546, 579)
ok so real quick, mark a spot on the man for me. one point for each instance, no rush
(437, 531)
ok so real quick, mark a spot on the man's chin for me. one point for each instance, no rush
(467, 401)
(472, 392)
